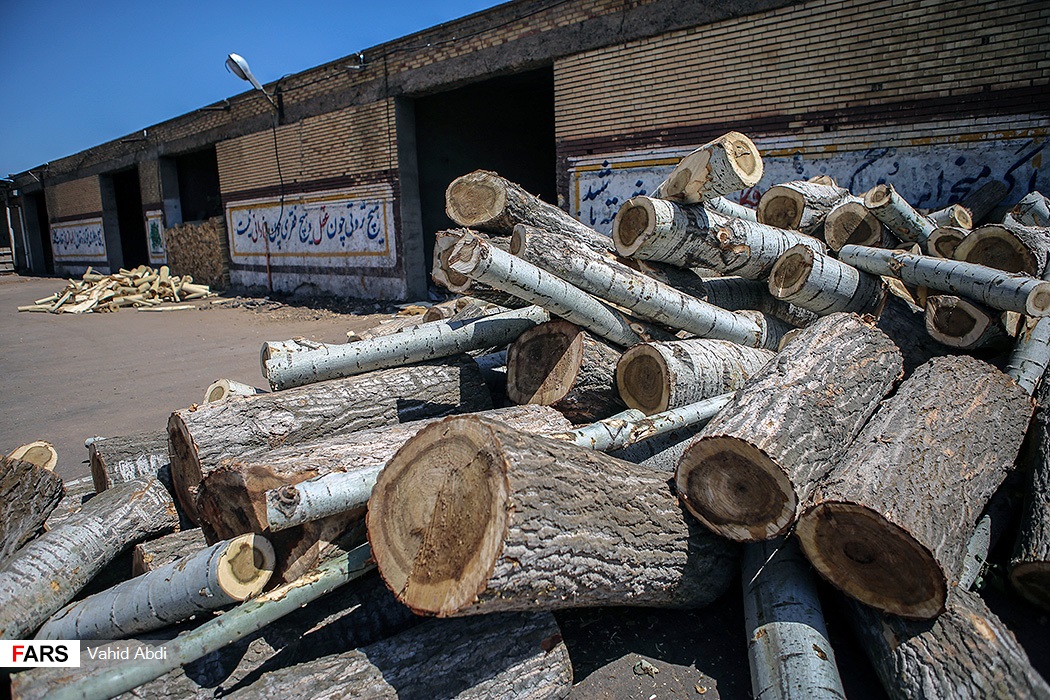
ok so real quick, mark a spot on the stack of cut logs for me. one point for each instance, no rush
(835, 382)
(144, 288)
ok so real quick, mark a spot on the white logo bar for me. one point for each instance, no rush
(32, 653)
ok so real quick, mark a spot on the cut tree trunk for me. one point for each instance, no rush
(643, 296)
(202, 436)
(1017, 249)
(655, 377)
(959, 323)
(728, 207)
(824, 285)
(28, 495)
(738, 294)
(40, 453)
(153, 554)
(993, 288)
(1031, 354)
(758, 460)
(75, 494)
(800, 206)
(728, 164)
(955, 215)
(473, 517)
(559, 364)
(1032, 210)
(891, 523)
(983, 201)
(225, 388)
(223, 574)
(444, 276)
(426, 342)
(944, 241)
(851, 223)
(688, 235)
(46, 573)
(117, 460)
(1030, 564)
(899, 216)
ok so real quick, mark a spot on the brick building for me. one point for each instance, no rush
(585, 102)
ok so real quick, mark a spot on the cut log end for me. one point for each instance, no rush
(781, 207)
(944, 241)
(543, 363)
(642, 380)
(186, 471)
(791, 272)
(958, 323)
(633, 222)
(246, 566)
(1038, 302)
(872, 560)
(997, 247)
(447, 485)
(40, 453)
(852, 224)
(878, 196)
(1032, 580)
(736, 489)
(471, 200)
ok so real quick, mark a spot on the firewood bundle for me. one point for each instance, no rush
(596, 421)
(143, 288)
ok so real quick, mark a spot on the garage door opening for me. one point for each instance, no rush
(39, 229)
(131, 220)
(198, 185)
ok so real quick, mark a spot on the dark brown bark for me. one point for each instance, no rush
(153, 554)
(758, 459)
(890, 524)
(473, 517)
(28, 495)
(1030, 564)
(982, 201)
(120, 459)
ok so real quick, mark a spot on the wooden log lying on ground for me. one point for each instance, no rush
(39, 452)
(824, 285)
(76, 493)
(993, 288)
(944, 241)
(688, 235)
(800, 206)
(737, 294)
(28, 495)
(982, 201)
(655, 377)
(601, 434)
(756, 462)
(728, 164)
(1032, 210)
(426, 342)
(1017, 249)
(46, 573)
(850, 222)
(1030, 563)
(644, 296)
(473, 517)
(889, 523)
(153, 554)
(774, 331)
(898, 215)
(955, 215)
(559, 364)
(226, 573)
(117, 460)
(959, 323)
(202, 436)
(444, 276)
(513, 655)
(225, 388)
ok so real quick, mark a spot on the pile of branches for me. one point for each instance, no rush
(143, 288)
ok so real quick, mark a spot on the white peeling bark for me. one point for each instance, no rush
(117, 460)
(800, 206)
(824, 285)
(728, 207)
(955, 215)
(602, 434)
(898, 215)
(728, 164)
(1032, 210)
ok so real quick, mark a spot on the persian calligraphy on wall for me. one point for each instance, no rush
(155, 236)
(328, 229)
(82, 240)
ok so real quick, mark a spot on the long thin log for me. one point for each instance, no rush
(28, 495)
(1017, 249)
(602, 434)
(39, 452)
(1032, 210)
(153, 554)
(728, 207)
(224, 574)
(225, 388)
(890, 524)
(961, 324)
(643, 296)
(748, 474)
(46, 573)
(655, 377)
(117, 460)
(661, 452)
(426, 342)
(444, 276)
(824, 285)
(473, 517)
(725, 165)
(851, 223)
(737, 294)
(993, 288)
(202, 436)
(898, 215)
(800, 206)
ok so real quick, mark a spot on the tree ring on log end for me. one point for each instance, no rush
(472, 200)
(944, 241)
(542, 364)
(791, 272)
(997, 247)
(643, 380)
(1038, 303)
(781, 207)
(954, 321)
(735, 489)
(1032, 580)
(878, 196)
(852, 224)
(246, 566)
(744, 157)
(632, 224)
(872, 559)
(437, 517)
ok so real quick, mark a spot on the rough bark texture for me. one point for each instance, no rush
(898, 215)
(1030, 564)
(28, 495)
(965, 654)
(800, 206)
(654, 377)
(961, 324)
(445, 276)
(513, 655)
(728, 164)
(905, 324)
(202, 436)
(850, 222)
(473, 517)
(1016, 249)
(890, 524)
(823, 285)
(117, 460)
(153, 554)
(559, 364)
(1032, 210)
(50, 570)
(758, 460)
(738, 294)
(983, 201)
(75, 494)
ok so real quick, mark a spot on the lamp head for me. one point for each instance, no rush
(239, 67)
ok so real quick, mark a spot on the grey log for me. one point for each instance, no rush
(800, 206)
(117, 460)
(1032, 210)
(28, 495)
(444, 276)
(1030, 563)
(152, 554)
(824, 285)
(725, 165)
(898, 215)
(738, 294)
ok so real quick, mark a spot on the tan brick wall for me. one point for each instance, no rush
(73, 198)
(149, 182)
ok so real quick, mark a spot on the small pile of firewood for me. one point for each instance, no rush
(833, 383)
(143, 288)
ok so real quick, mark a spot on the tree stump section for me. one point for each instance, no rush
(40, 453)
(890, 524)
(759, 458)
(225, 388)
(728, 164)
(473, 517)
(850, 222)
(153, 554)
(824, 285)
(959, 323)
(800, 206)
(1018, 249)
(28, 495)
(117, 460)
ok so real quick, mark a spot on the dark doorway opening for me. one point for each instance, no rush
(40, 230)
(131, 221)
(198, 174)
(505, 124)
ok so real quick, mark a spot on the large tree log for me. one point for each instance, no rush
(1032, 210)
(202, 436)
(738, 294)
(905, 324)
(39, 452)
(444, 276)
(46, 573)
(982, 201)
(225, 388)
(28, 495)
(426, 342)
(993, 288)
(757, 461)
(728, 164)
(961, 324)
(473, 517)
(687, 235)
(1030, 563)
(643, 296)
(824, 285)
(117, 460)
(153, 554)
(224, 574)
(890, 524)
(898, 215)
(1021, 249)
(655, 377)
(851, 223)
(559, 364)
(800, 206)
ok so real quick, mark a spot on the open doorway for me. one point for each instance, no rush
(38, 230)
(131, 221)
(505, 124)
(198, 185)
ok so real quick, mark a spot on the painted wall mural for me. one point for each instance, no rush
(329, 229)
(82, 240)
(155, 237)
(929, 176)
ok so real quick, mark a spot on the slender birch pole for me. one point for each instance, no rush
(728, 207)
(824, 285)
(955, 215)
(600, 435)
(895, 211)
(728, 164)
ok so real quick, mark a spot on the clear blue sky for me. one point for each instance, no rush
(76, 74)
